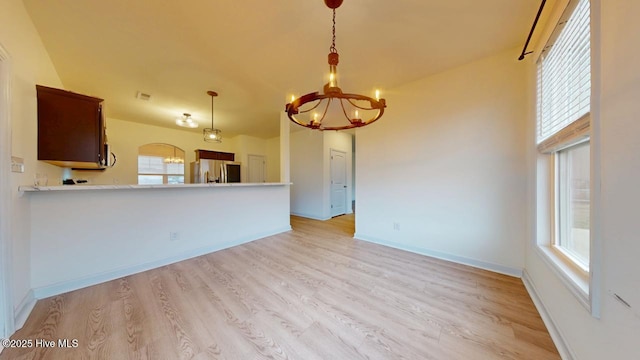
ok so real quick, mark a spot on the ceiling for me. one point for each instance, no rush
(257, 53)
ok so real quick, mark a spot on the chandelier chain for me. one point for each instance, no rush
(333, 49)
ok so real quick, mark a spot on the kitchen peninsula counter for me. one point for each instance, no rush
(83, 235)
(83, 187)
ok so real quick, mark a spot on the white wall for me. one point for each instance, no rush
(83, 237)
(616, 128)
(353, 170)
(273, 159)
(6, 299)
(29, 65)
(446, 163)
(307, 173)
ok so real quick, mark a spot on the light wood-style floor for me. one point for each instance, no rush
(312, 293)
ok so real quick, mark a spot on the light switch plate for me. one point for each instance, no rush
(17, 164)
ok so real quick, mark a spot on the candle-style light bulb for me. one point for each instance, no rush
(355, 115)
(332, 79)
(377, 94)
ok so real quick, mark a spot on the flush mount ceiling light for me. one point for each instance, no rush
(186, 121)
(212, 134)
(334, 109)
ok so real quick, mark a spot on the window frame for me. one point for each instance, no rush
(174, 150)
(165, 178)
(584, 285)
(558, 211)
(575, 279)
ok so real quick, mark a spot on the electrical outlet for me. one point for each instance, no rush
(396, 226)
(17, 164)
(174, 236)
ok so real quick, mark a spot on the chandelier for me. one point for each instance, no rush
(186, 121)
(174, 159)
(322, 112)
(212, 134)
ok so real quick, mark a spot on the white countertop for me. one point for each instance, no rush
(81, 187)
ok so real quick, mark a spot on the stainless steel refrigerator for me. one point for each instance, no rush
(215, 171)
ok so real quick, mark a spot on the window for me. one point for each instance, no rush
(160, 164)
(564, 78)
(562, 137)
(573, 204)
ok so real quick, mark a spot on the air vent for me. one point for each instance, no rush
(142, 96)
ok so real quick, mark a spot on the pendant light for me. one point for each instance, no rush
(212, 134)
(334, 109)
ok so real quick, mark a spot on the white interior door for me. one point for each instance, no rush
(338, 182)
(257, 169)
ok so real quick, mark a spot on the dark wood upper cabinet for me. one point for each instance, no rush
(71, 130)
(214, 155)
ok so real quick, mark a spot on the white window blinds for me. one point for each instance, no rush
(564, 79)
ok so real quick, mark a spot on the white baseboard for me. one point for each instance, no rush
(24, 309)
(75, 284)
(309, 216)
(556, 335)
(506, 270)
